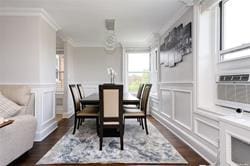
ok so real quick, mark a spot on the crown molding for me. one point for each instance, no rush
(85, 44)
(40, 12)
(175, 18)
(135, 44)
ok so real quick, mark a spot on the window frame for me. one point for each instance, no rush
(223, 52)
(127, 66)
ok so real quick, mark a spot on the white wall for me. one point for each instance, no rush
(182, 71)
(176, 104)
(19, 49)
(47, 52)
(91, 63)
(27, 50)
(68, 79)
(88, 66)
(27, 57)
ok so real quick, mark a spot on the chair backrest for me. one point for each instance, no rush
(145, 96)
(75, 96)
(111, 108)
(139, 92)
(81, 91)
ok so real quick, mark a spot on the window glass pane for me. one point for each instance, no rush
(236, 23)
(135, 79)
(138, 62)
(238, 54)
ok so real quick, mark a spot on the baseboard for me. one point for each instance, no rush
(67, 115)
(41, 135)
(196, 145)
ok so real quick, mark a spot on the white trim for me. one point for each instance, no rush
(30, 12)
(172, 91)
(172, 99)
(198, 147)
(234, 49)
(177, 82)
(41, 135)
(191, 108)
(234, 59)
(67, 115)
(33, 85)
(196, 122)
(229, 135)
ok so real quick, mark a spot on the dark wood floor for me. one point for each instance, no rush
(41, 148)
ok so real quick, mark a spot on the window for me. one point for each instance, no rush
(60, 69)
(138, 70)
(235, 29)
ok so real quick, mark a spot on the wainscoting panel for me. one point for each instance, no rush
(183, 108)
(206, 130)
(153, 104)
(44, 109)
(176, 99)
(48, 105)
(166, 102)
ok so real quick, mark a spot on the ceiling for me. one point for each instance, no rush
(83, 21)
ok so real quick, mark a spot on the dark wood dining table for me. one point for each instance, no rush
(93, 99)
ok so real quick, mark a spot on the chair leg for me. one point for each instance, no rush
(121, 136)
(97, 126)
(78, 123)
(142, 123)
(146, 126)
(101, 138)
(75, 123)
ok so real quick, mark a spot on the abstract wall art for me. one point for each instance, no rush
(177, 44)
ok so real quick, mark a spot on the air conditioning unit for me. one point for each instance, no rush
(233, 91)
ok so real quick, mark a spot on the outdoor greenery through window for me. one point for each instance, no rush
(138, 70)
(235, 29)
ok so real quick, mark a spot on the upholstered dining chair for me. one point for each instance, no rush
(81, 91)
(85, 112)
(140, 113)
(111, 110)
(82, 94)
(139, 96)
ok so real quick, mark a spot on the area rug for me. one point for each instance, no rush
(83, 147)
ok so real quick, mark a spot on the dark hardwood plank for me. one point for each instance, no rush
(41, 148)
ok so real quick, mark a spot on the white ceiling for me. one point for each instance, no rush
(83, 20)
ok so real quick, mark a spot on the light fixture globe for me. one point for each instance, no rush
(110, 39)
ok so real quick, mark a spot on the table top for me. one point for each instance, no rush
(94, 99)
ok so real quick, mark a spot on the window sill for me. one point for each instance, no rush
(235, 59)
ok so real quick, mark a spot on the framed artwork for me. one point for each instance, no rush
(177, 44)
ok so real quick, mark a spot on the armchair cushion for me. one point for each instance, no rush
(20, 94)
(7, 107)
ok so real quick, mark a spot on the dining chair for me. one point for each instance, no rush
(139, 96)
(81, 91)
(82, 112)
(140, 113)
(111, 110)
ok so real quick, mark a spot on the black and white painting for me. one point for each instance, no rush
(177, 44)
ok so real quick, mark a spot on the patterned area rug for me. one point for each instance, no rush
(83, 147)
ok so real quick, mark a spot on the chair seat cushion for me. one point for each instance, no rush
(111, 123)
(130, 107)
(88, 111)
(133, 112)
(92, 106)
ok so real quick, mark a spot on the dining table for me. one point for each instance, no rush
(93, 99)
